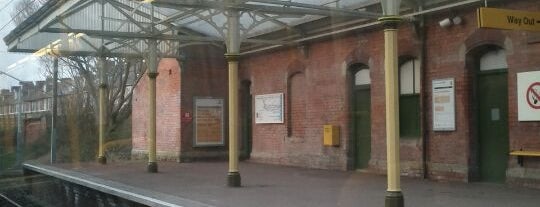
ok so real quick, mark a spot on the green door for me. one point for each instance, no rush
(362, 127)
(493, 126)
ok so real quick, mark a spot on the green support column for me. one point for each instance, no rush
(394, 197)
(102, 109)
(233, 49)
(152, 74)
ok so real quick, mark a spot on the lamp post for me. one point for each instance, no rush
(54, 111)
(20, 138)
(390, 21)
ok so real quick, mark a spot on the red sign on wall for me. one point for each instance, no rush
(186, 117)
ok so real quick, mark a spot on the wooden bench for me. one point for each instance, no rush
(523, 153)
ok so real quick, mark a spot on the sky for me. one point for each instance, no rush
(27, 71)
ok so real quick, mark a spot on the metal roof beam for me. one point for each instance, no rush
(113, 34)
(205, 4)
(130, 43)
(74, 9)
(371, 15)
(82, 38)
(178, 15)
(128, 17)
(148, 16)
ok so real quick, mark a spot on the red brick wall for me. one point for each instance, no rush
(9, 133)
(450, 154)
(324, 97)
(522, 56)
(34, 129)
(324, 86)
(205, 74)
(167, 112)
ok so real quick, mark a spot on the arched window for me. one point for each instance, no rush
(493, 60)
(362, 77)
(409, 99)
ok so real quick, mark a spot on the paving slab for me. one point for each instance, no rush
(204, 183)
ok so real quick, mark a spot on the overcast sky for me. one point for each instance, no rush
(27, 71)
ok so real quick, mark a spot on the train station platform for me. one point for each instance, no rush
(204, 184)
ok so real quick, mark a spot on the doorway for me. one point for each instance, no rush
(361, 116)
(492, 105)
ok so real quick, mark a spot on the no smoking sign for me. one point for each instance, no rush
(528, 96)
(533, 95)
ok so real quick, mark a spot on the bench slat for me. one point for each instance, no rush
(525, 153)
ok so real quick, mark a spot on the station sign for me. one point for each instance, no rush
(508, 19)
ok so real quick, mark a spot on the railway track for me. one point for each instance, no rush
(7, 202)
(14, 191)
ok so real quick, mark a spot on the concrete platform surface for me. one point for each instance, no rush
(270, 185)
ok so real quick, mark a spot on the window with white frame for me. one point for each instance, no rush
(409, 99)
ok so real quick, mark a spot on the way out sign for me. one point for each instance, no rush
(528, 95)
(508, 19)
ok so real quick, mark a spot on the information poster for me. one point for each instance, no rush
(269, 108)
(528, 96)
(444, 116)
(208, 122)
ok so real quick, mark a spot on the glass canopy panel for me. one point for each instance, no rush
(125, 25)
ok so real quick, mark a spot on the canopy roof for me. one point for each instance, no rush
(123, 27)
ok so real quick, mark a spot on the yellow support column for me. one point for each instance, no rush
(152, 74)
(394, 197)
(233, 49)
(102, 110)
(234, 179)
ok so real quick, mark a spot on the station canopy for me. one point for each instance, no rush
(124, 27)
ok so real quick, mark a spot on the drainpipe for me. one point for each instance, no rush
(421, 32)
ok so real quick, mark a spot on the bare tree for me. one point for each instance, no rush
(24, 8)
(122, 74)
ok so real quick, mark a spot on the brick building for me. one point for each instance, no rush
(36, 108)
(339, 80)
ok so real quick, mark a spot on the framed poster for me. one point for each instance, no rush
(528, 96)
(208, 126)
(269, 108)
(443, 99)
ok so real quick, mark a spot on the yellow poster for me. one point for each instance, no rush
(208, 121)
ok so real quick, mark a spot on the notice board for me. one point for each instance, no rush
(269, 108)
(528, 96)
(208, 122)
(443, 99)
